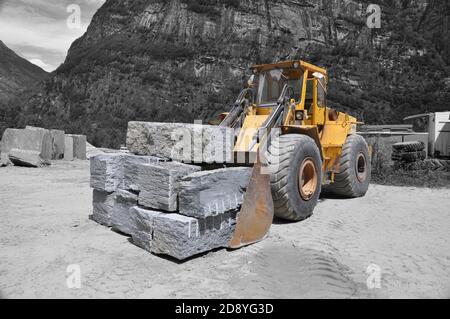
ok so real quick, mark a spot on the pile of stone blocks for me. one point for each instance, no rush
(36, 147)
(188, 143)
(165, 206)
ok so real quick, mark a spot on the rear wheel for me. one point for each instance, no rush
(354, 174)
(296, 176)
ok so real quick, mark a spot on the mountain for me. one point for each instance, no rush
(181, 60)
(16, 73)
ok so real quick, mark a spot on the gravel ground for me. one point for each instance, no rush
(45, 228)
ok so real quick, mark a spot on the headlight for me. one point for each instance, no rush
(299, 115)
(296, 65)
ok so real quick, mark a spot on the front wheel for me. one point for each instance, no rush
(296, 176)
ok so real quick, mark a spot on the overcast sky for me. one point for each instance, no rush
(38, 30)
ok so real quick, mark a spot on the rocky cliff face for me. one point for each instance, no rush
(16, 73)
(17, 76)
(180, 60)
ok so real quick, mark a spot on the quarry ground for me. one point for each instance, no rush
(401, 231)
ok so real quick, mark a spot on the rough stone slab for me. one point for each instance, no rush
(103, 204)
(111, 172)
(121, 218)
(27, 140)
(58, 139)
(107, 172)
(158, 184)
(79, 146)
(131, 170)
(144, 221)
(183, 237)
(188, 143)
(68, 148)
(26, 158)
(211, 193)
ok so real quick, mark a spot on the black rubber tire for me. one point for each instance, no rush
(410, 157)
(346, 182)
(408, 147)
(286, 155)
(428, 165)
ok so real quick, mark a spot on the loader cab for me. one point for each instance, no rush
(271, 82)
(307, 81)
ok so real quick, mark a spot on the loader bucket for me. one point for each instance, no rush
(257, 212)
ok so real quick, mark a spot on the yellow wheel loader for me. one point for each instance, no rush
(298, 146)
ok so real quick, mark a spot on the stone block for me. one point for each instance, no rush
(26, 158)
(122, 219)
(182, 237)
(103, 204)
(114, 171)
(38, 140)
(158, 184)
(58, 139)
(132, 168)
(79, 146)
(211, 193)
(68, 148)
(58, 142)
(107, 172)
(188, 143)
(144, 221)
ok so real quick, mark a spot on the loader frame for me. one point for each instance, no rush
(307, 115)
(290, 99)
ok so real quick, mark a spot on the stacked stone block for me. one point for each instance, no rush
(188, 143)
(121, 219)
(212, 193)
(158, 184)
(103, 204)
(167, 207)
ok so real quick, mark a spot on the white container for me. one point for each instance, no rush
(439, 129)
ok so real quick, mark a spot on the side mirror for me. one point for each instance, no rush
(251, 81)
(321, 79)
(318, 75)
